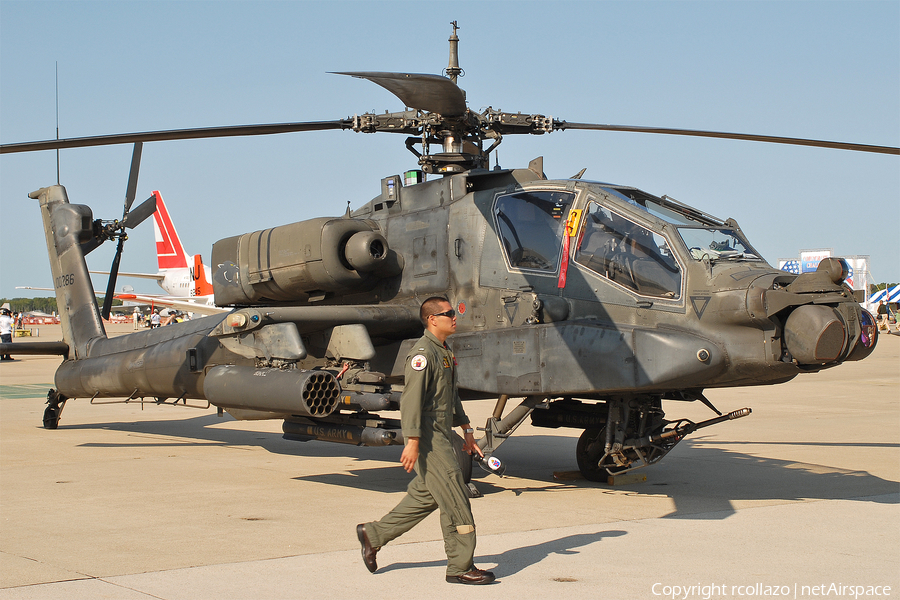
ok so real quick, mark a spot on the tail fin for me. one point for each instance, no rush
(170, 253)
(67, 227)
(202, 286)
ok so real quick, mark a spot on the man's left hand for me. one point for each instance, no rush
(470, 446)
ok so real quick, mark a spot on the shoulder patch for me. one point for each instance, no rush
(418, 362)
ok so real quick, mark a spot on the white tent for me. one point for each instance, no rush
(891, 295)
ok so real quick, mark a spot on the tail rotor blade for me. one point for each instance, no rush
(111, 285)
(139, 214)
(133, 177)
(90, 245)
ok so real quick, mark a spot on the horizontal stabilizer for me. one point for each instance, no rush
(45, 348)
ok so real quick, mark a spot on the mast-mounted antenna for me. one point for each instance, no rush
(57, 121)
(453, 71)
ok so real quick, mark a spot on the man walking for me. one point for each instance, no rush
(6, 330)
(429, 409)
(883, 314)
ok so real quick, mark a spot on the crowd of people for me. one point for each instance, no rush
(155, 319)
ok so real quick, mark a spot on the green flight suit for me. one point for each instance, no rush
(429, 409)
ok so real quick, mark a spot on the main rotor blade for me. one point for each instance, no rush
(175, 134)
(138, 215)
(563, 125)
(133, 178)
(432, 93)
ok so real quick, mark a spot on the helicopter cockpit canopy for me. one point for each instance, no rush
(706, 237)
(642, 255)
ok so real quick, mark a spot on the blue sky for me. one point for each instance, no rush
(825, 70)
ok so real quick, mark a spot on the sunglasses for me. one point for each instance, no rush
(447, 313)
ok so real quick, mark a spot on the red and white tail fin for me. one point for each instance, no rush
(169, 252)
(202, 286)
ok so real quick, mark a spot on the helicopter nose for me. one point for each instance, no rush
(815, 334)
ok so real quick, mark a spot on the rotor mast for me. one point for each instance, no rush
(451, 137)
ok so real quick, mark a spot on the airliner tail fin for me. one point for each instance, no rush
(170, 253)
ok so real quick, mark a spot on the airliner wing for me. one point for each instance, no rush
(154, 276)
(181, 304)
(184, 304)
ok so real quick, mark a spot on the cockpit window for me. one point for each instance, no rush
(711, 243)
(665, 208)
(531, 226)
(628, 254)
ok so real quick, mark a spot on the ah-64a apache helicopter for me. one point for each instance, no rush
(593, 302)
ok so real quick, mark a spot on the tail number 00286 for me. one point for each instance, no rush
(64, 280)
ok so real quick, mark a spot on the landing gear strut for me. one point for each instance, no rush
(498, 429)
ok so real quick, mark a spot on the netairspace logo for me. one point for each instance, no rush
(760, 590)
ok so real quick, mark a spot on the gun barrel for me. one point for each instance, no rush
(691, 428)
(683, 430)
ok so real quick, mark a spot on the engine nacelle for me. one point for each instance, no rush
(293, 262)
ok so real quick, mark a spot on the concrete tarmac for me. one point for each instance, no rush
(131, 501)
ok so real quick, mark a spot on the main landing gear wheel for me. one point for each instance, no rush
(588, 452)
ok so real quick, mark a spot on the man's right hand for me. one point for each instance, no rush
(410, 454)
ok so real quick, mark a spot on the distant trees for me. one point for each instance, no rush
(47, 305)
(877, 287)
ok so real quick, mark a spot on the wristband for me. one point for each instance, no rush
(470, 430)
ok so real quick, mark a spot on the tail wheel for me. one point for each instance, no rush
(55, 404)
(51, 417)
